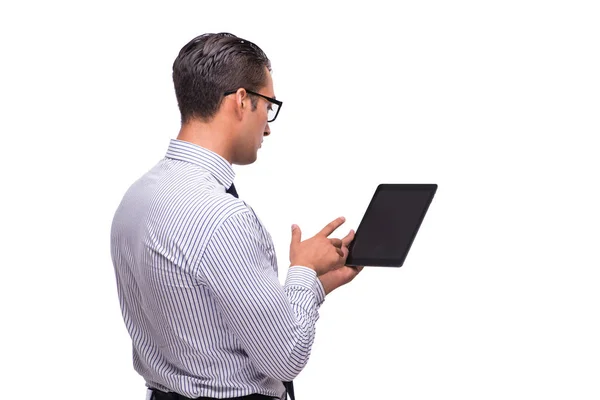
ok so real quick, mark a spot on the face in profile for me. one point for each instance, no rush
(256, 125)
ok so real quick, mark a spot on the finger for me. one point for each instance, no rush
(354, 272)
(348, 238)
(346, 252)
(336, 242)
(332, 226)
(296, 234)
(340, 252)
(357, 270)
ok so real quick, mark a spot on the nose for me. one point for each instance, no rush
(267, 130)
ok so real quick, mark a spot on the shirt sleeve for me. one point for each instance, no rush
(275, 324)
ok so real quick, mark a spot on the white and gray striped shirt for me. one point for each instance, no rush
(197, 280)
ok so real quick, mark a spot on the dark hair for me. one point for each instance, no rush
(211, 64)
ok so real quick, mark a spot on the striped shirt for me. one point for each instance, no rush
(196, 273)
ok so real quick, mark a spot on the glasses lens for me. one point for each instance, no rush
(272, 112)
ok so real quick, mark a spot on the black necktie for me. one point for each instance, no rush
(289, 386)
(232, 191)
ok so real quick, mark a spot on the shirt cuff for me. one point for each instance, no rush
(319, 292)
(305, 277)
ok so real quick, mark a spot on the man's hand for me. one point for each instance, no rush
(338, 277)
(342, 274)
(318, 253)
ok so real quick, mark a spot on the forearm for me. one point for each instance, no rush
(277, 329)
(305, 295)
(275, 324)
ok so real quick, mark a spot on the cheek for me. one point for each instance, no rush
(264, 116)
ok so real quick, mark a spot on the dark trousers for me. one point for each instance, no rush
(158, 395)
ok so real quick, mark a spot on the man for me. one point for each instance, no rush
(196, 270)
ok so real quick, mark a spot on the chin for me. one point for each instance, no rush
(249, 160)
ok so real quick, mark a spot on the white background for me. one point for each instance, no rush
(496, 102)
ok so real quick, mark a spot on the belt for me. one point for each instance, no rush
(159, 395)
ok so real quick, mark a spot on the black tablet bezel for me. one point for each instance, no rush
(386, 262)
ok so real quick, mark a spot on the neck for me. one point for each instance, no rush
(213, 136)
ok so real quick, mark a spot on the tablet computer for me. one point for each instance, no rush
(390, 225)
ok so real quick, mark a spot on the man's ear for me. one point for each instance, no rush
(241, 97)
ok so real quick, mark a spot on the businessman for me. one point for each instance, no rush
(196, 270)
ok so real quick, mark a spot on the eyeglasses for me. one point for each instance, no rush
(273, 109)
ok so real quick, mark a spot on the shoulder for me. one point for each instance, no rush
(202, 206)
(185, 222)
(186, 203)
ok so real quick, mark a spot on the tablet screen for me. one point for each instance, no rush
(390, 224)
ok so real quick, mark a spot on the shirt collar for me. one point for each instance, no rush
(207, 159)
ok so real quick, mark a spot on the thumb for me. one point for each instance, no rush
(296, 234)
